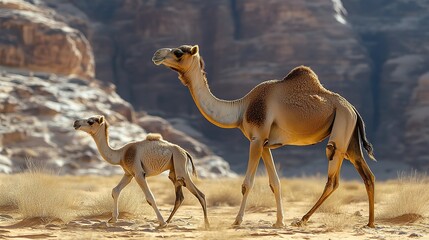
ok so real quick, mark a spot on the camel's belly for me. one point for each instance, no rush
(299, 133)
(279, 137)
(302, 121)
(155, 160)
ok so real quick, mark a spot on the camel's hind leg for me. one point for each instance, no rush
(354, 153)
(341, 133)
(179, 195)
(331, 185)
(180, 160)
(189, 184)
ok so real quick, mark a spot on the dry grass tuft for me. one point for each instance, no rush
(7, 201)
(37, 195)
(409, 199)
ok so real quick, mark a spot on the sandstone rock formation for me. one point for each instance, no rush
(395, 36)
(32, 39)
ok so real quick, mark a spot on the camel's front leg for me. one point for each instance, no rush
(254, 157)
(274, 184)
(115, 195)
(141, 180)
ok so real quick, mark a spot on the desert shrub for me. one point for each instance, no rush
(410, 197)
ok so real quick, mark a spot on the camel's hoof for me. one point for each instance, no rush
(207, 226)
(278, 225)
(237, 223)
(112, 220)
(370, 225)
(162, 225)
(298, 223)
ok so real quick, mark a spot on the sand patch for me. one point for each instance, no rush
(403, 219)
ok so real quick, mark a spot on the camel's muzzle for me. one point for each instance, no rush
(160, 55)
(76, 125)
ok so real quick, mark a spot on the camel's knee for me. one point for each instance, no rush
(115, 192)
(330, 150)
(150, 200)
(275, 186)
(181, 181)
(336, 184)
(370, 181)
(332, 184)
(272, 188)
(179, 196)
(245, 188)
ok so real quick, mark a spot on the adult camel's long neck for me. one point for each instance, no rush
(101, 138)
(222, 113)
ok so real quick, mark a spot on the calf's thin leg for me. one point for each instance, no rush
(116, 191)
(179, 195)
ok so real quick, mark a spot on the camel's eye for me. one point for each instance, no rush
(178, 53)
(91, 121)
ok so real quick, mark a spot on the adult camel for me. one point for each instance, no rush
(297, 110)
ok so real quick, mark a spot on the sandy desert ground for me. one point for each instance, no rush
(39, 205)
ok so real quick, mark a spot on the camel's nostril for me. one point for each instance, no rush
(160, 55)
(76, 124)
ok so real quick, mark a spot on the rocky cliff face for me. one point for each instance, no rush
(394, 34)
(46, 82)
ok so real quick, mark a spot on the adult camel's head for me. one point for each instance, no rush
(182, 59)
(90, 125)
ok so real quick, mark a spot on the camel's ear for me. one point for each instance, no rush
(100, 119)
(194, 50)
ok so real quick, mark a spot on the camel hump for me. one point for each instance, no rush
(299, 72)
(153, 137)
(303, 78)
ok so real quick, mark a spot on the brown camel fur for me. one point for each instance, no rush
(297, 110)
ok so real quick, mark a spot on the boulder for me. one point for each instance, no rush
(32, 39)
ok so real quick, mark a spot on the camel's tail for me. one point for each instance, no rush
(194, 172)
(366, 144)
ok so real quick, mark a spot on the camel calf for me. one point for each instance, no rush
(143, 159)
